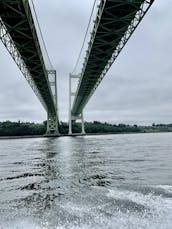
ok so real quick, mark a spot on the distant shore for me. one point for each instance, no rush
(19, 130)
(19, 137)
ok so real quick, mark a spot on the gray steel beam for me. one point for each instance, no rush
(115, 23)
(18, 34)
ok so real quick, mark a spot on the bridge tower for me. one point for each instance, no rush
(52, 118)
(71, 116)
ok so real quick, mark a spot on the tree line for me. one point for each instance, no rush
(8, 128)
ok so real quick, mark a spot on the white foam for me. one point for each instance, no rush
(119, 221)
(149, 200)
(20, 224)
(159, 214)
(167, 188)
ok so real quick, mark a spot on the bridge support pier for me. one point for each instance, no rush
(52, 118)
(52, 125)
(82, 123)
(74, 118)
(71, 117)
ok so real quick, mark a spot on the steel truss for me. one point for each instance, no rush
(110, 34)
(13, 51)
(19, 36)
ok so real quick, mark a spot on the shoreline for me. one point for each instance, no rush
(76, 135)
(21, 137)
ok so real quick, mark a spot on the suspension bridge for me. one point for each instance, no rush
(114, 24)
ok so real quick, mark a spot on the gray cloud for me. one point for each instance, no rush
(137, 89)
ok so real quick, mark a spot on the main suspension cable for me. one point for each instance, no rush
(36, 17)
(92, 11)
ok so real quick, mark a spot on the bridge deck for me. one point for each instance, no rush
(113, 20)
(16, 16)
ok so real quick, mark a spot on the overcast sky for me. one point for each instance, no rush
(137, 88)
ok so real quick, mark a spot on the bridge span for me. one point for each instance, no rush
(115, 22)
(18, 34)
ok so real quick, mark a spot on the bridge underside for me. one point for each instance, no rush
(116, 21)
(18, 34)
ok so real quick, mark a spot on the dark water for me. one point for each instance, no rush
(112, 181)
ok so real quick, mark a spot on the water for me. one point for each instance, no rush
(111, 181)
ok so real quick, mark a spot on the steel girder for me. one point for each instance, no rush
(115, 22)
(18, 34)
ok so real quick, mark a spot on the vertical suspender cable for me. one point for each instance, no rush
(41, 35)
(84, 38)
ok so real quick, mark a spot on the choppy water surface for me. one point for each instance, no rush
(112, 181)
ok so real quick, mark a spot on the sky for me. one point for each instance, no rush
(136, 90)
